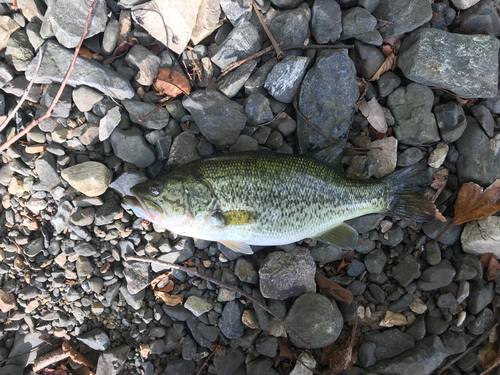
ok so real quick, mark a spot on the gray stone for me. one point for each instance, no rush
(90, 178)
(472, 73)
(444, 15)
(454, 343)
(451, 121)
(325, 253)
(197, 305)
(227, 364)
(286, 3)
(403, 16)
(220, 120)
(482, 236)
(356, 22)
(136, 151)
(203, 334)
(163, 148)
(326, 22)
(110, 37)
(482, 18)
(366, 223)
(438, 276)
(12, 370)
(481, 294)
(316, 319)
(86, 72)
(85, 98)
(85, 249)
(96, 339)
(387, 83)
(355, 268)
(411, 107)
(184, 149)
(261, 365)
(109, 122)
(84, 267)
(447, 301)
(230, 322)
(127, 180)
(369, 5)
(435, 326)
(285, 78)
(68, 20)
(231, 83)
(7, 27)
(390, 342)
(180, 367)
(146, 62)
(137, 275)
(19, 51)
(6, 75)
(434, 228)
(375, 261)
(60, 220)
(327, 99)
(406, 271)
(112, 360)
(432, 253)
(207, 20)
(137, 109)
(485, 119)
(246, 271)
(257, 80)
(63, 106)
(284, 275)
(290, 27)
(257, 109)
(366, 354)
(242, 42)
(417, 328)
(237, 11)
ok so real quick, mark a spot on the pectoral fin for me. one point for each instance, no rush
(239, 247)
(331, 155)
(342, 235)
(238, 217)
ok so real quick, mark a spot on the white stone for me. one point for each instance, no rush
(306, 361)
(461, 318)
(7, 27)
(482, 236)
(207, 20)
(109, 122)
(464, 4)
(463, 291)
(90, 178)
(197, 305)
(438, 155)
(386, 157)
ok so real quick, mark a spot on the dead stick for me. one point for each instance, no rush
(216, 282)
(156, 109)
(481, 338)
(296, 106)
(206, 362)
(59, 93)
(276, 46)
(236, 64)
(14, 4)
(49, 359)
(25, 95)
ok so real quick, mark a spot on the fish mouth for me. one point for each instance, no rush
(137, 207)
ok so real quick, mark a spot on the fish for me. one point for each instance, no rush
(265, 198)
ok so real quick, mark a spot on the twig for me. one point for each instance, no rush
(25, 95)
(269, 122)
(23, 354)
(235, 64)
(49, 359)
(216, 282)
(480, 339)
(276, 46)
(296, 106)
(14, 4)
(157, 108)
(206, 361)
(59, 93)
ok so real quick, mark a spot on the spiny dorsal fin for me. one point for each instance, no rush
(342, 235)
(331, 155)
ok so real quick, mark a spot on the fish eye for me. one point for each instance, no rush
(154, 191)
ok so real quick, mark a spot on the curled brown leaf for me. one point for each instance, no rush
(331, 289)
(491, 265)
(172, 83)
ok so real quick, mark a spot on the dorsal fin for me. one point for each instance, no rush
(331, 155)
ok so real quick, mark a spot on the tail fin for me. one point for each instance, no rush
(408, 201)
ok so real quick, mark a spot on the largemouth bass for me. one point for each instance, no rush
(266, 198)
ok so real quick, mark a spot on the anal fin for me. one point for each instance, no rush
(342, 235)
(238, 246)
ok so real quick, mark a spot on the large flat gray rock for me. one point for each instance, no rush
(56, 61)
(464, 64)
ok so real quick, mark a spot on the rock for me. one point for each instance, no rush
(387, 83)
(261, 365)
(386, 157)
(226, 364)
(183, 150)
(303, 366)
(444, 16)
(197, 305)
(220, 120)
(406, 271)
(476, 155)
(242, 42)
(85, 249)
(245, 271)
(146, 62)
(284, 80)
(286, 3)
(96, 339)
(327, 98)
(33, 32)
(375, 261)
(284, 275)
(109, 122)
(110, 37)
(464, 4)
(236, 11)
(289, 27)
(485, 119)
(434, 228)
(411, 107)
(7, 301)
(137, 151)
(390, 342)
(85, 98)
(230, 322)
(325, 253)
(180, 18)
(438, 155)
(67, 20)
(481, 294)
(230, 84)
(137, 109)
(392, 319)
(90, 178)
(424, 358)
(257, 109)
(63, 106)
(438, 276)
(483, 322)
(19, 51)
(463, 291)
(482, 236)
(6, 74)
(7, 27)
(83, 267)
(367, 59)
(60, 220)
(137, 275)
(127, 180)
(316, 319)
(482, 18)
(12, 370)
(403, 16)
(450, 120)
(112, 360)
(432, 47)
(86, 72)
(203, 334)
(432, 253)
(206, 21)
(357, 21)
(326, 21)
(366, 354)
(45, 167)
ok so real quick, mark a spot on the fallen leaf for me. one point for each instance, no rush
(487, 355)
(88, 54)
(159, 279)
(363, 89)
(439, 181)
(474, 203)
(178, 348)
(172, 83)
(167, 288)
(374, 114)
(121, 50)
(491, 265)
(394, 43)
(170, 300)
(340, 357)
(375, 135)
(346, 260)
(331, 289)
(388, 64)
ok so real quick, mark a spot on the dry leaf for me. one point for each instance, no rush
(88, 54)
(374, 114)
(168, 288)
(439, 181)
(170, 300)
(340, 357)
(159, 279)
(346, 260)
(331, 289)
(473, 203)
(284, 352)
(487, 355)
(178, 348)
(121, 50)
(394, 43)
(172, 83)
(375, 135)
(491, 265)
(363, 89)
(388, 64)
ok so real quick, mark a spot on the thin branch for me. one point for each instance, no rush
(164, 103)
(276, 46)
(26, 93)
(49, 359)
(59, 93)
(206, 361)
(235, 64)
(23, 354)
(14, 5)
(317, 128)
(269, 122)
(216, 282)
